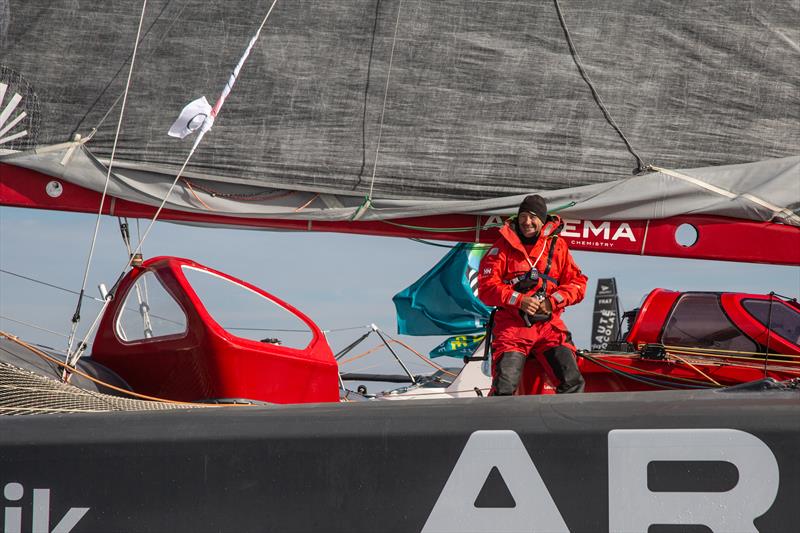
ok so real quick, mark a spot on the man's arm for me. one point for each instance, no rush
(571, 282)
(491, 288)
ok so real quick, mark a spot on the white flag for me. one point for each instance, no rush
(193, 116)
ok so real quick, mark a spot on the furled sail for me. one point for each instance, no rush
(425, 109)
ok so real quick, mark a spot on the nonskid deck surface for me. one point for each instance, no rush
(23, 392)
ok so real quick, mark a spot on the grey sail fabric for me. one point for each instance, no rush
(483, 100)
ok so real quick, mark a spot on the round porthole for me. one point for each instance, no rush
(686, 235)
(54, 189)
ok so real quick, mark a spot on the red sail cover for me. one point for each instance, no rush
(716, 237)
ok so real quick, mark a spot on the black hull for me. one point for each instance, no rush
(382, 467)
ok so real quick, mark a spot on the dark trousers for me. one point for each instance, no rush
(508, 371)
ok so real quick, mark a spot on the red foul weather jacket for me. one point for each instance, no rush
(509, 259)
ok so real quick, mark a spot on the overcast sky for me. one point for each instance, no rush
(340, 281)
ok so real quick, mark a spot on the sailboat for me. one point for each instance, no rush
(414, 119)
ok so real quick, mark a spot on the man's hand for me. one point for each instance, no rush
(530, 304)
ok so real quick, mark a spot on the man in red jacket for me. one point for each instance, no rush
(530, 276)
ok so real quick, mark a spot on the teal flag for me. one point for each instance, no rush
(444, 300)
(458, 346)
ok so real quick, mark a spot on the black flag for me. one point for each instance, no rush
(605, 322)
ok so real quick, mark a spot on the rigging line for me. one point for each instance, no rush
(465, 229)
(122, 66)
(352, 345)
(696, 369)
(430, 229)
(769, 333)
(345, 329)
(34, 326)
(74, 357)
(205, 127)
(191, 190)
(76, 317)
(636, 369)
(383, 109)
(718, 352)
(48, 285)
(430, 243)
(656, 382)
(640, 165)
(366, 95)
(397, 357)
(88, 297)
(314, 197)
(781, 364)
(425, 360)
(359, 356)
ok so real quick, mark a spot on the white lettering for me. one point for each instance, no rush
(589, 227)
(455, 508)
(40, 520)
(493, 221)
(570, 228)
(13, 492)
(624, 231)
(633, 507)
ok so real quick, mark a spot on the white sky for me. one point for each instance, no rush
(340, 281)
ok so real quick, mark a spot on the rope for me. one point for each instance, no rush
(383, 109)
(709, 378)
(76, 317)
(404, 345)
(734, 360)
(424, 359)
(744, 363)
(640, 165)
(587, 355)
(359, 356)
(259, 196)
(718, 352)
(654, 382)
(314, 197)
(191, 190)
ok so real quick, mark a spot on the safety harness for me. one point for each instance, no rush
(535, 280)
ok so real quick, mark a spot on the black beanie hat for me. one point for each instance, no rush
(534, 204)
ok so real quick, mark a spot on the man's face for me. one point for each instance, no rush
(529, 224)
